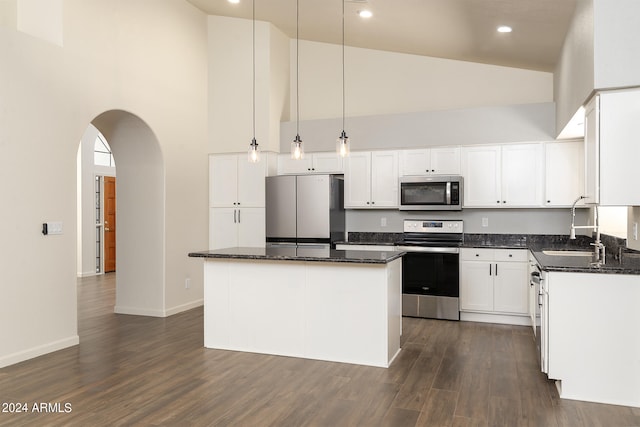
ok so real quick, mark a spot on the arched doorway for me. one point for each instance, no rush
(140, 211)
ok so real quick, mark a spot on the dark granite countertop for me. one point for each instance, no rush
(618, 260)
(302, 254)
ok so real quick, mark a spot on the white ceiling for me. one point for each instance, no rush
(455, 29)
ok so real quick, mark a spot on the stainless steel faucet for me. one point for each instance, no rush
(597, 245)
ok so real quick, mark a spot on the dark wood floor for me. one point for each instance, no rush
(131, 370)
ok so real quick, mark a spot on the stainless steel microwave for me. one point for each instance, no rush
(431, 193)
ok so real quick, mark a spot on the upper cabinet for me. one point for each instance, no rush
(564, 172)
(503, 175)
(612, 130)
(326, 162)
(430, 161)
(234, 182)
(371, 180)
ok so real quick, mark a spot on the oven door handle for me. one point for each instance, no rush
(428, 249)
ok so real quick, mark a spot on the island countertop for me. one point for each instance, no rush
(301, 254)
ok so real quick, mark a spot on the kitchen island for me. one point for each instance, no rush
(325, 304)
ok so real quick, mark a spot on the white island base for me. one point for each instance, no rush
(334, 311)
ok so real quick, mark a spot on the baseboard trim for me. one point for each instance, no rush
(503, 319)
(138, 311)
(184, 307)
(21, 356)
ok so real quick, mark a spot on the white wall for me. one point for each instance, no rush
(481, 125)
(501, 221)
(231, 82)
(379, 82)
(142, 56)
(574, 74)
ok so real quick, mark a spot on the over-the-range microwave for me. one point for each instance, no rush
(431, 193)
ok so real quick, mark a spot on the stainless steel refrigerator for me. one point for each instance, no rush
(305, 210)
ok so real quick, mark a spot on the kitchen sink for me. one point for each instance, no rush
(568, 253)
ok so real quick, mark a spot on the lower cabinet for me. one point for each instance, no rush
(494, 281)
(231, 227)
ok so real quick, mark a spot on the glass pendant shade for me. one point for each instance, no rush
(342, 145)
(297, 151)
(254, 151)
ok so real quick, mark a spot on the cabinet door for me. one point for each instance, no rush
(619, 131)
(251, 183)
(482, 178)
(328, 162)
(287, 165)
(564, 172)
(415, 162)
(384, 179)
(522, 175)
(251, 227)
(510, 288)
(591, 152)
(357, 180)
(476, 286)
(223, 180)
(445, 161)
(223, 231)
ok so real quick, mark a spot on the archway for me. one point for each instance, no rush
(140, 210)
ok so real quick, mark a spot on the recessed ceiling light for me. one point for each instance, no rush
(365, 13)
(504, 29)
(234, 1)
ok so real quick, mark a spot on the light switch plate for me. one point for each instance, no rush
(54, 227)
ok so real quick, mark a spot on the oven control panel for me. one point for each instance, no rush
(432, 226)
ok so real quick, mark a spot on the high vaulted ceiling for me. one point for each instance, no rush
(455, 29)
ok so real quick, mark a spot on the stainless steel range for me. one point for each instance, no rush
(430, 269)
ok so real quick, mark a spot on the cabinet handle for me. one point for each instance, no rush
(238, 215)
(510, 255)
(234, 203)
(433, 170)
(367, 202)
(548, 201)
(489, 269)
(496, 269)
(234, 216)
(372, 203)
(477, 254)
(504, 201)
(497, 201)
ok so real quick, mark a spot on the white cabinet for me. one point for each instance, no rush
(233, 181)
(612, 130)
(231, 227)
(371, 180)
(430, 161)
(494, 281)
(503, 176)
(564, 172)
(237, 200)
(327, 162)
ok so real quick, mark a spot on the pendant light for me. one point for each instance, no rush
(342, 143)
(297, 151)
(254, 150)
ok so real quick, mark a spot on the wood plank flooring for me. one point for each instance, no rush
(140, 371)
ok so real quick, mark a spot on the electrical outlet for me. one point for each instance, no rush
(187, 283)
(383, 222)
(485, 222)
(635, 231)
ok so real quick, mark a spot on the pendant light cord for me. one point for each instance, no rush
(254, 68)
(297, 67)
(343, 109)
